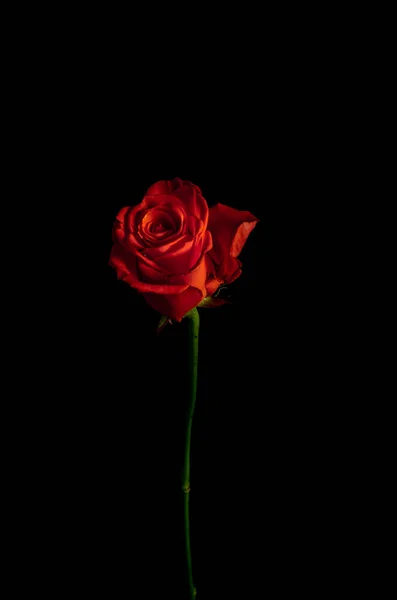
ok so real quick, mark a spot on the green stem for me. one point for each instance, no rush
(194, 323)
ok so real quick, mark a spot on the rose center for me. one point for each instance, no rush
(161, 223)
(160, 226)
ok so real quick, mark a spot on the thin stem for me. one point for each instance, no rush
(194, 323)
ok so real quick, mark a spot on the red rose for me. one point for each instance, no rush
(174, 250)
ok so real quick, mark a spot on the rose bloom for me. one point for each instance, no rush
(176, 251)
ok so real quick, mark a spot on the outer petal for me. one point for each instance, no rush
(196, 278)
(194, 203)
(166, 187)
(212, 285)
(122, 213)
(175, 259)
(175, 306)
(171, 247)
(213, 282)
(226, 271)
(160, 187)
(189, 194)
(149, 272)
(179, 257)
(202, 244)
(230, 270)
(194, 225)
(230, 229)
(177, 182)
(123, 236)
(125, 264)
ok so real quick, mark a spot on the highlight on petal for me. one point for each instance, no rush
(174, 306)
(241, 236)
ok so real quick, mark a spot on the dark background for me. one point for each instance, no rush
(271, 113)
(256, 481)
(107, 433)
(103, 442)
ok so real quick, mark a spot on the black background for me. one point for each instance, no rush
(105, 436)
(256, 481)
(266, 113)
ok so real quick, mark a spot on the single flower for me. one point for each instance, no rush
(174, 250)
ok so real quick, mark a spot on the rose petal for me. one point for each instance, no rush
(158, 265)
(193, 202)
(169, 270)
(226, 272)
(174, 306)
(164, 187)
(127, 233)
(178, 183)
(201, 245)
(168, 247)
(149, 272)
(212, 285)
(122, 235)
(195, 226)
(169, 218)
(160, 187)
(241, 236)
(121, 215)
(212, 282)
(230, 270)
(125, 264)
(167, 187)
(230, 229)
(196, 278)
(156, 225)
(178, 259)
(137, 212)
